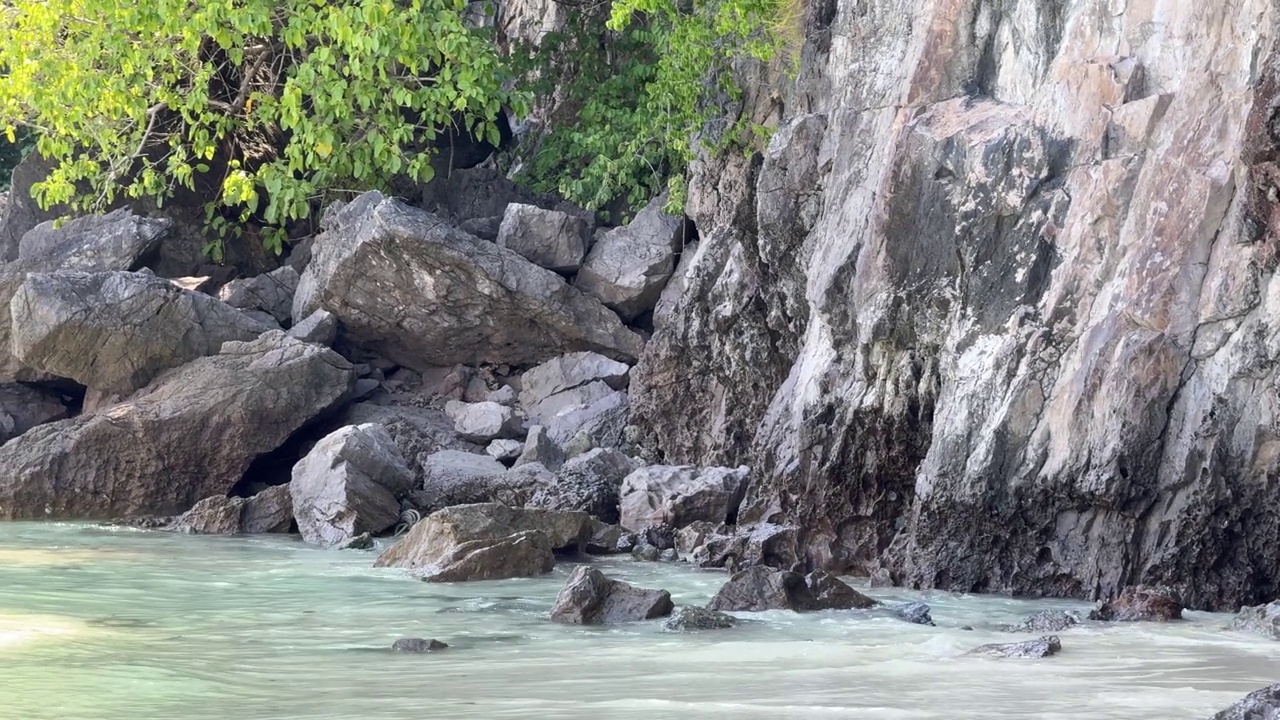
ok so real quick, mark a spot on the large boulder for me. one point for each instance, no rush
(547, 238)
(270, 511)
(628, 266)
(1140, 603)
(1041, 647)
(678, 495)
(556, 376)
(1261, 704)
(349, 484)
(761, 588)
(192, 433)
(115, 331)
(1261, 620)
(831, 593)
(590, 598)
(602, 422)
(588, 482)
(743, 546)
(271, 293)
(456, 477)
(23, 407)
(214, 515)
(486, 541)
(482, 422)
(422, 293)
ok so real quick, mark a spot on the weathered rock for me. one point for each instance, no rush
(320, 327)
(114, 332)
(484, 421)
(540, 448)
(23, 407)
(763, 588)
(1261, 620)
(628, 266)
(505, 395)
(192, 433)
(881, 577)
(486, 542)
(215, 515)
(602, 423)
(418, 431)
(455, 477)
(831, 593)
(607, 539)
(21, 211)
(418, 645)
(590, 598)
(1261, 704)
(744, 546)
(349, 483)
(1047, 621)
(691, 618)
(695, 534)
(678, 495)
(644, 551)
(1140, 603)
(545, 412)
(118, 240)
(553, 240)
(422, 293)
(1039, 648)
(271, 293)
(505, 450)
(270, 511)
(589, 483)
(574, 379)
(916, 613)
(363, 541)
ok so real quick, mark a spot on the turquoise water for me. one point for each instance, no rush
(116, 624)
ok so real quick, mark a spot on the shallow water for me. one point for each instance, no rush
(116, 624)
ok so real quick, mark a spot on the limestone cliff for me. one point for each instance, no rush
(997, 308)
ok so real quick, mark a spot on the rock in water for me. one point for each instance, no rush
(590, 598)
(628, 266)
(547, 238)
(216, 515)
(1038, 648)
(192, 433)
(418, 645)
(1261, 704)
(422, 293)
(1261, 620)
(1140, 603)
(680, 495)
(486, 541)
(916, 613)
(1047, 621)
(350, 483)
(692, 618)
(23, 407)
(270, 511)
(764, 588)
(832, 593)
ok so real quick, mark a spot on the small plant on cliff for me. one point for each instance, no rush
(264, 105)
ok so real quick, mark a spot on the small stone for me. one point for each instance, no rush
(505, 395)
(418, 645)
(483, 422)
(693, 618)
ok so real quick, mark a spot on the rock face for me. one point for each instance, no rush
(350, 483)
(1140, 603)
(189, 435)
(1020, 298)
(1039, 648)
(271, 293)
(680, 495)
(1261, 704)
(763, 588)
(590, 598)
(1261, 620)
(628, 266)
(547, 238)
(421, 293)
(486, 542)
(23, 407)
(113, 332)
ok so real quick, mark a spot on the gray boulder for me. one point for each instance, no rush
(609, 539)
(831, 593)
(916, 613)
(590, 598)
(547, 238)
(484, 421)
(271, 293)
(422, 293)
(456, 477)
(215, 515)
(629, 266)
(350, 483)
(418, 645)
(118, 240)
(1261, 704)
(603, 422)
(192, 433)
(540, 448)
(744, 546)
(1261, 620)
(417, 429)
(1039, 648)
(589, 482)
(115, 331)
(23, 407)
(545, 412)
(565, 373)
(677, 495)
(320, 327)
(691, 618)
(270, 511)
(761, 588)
(504, 450)
(1047, 621)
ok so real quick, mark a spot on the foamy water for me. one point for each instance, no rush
(102, 624)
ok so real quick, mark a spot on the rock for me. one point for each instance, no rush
(320, 327)
(214, 515)
(1039, 648)
(691, 618)
(678, 495)
(118, 240)
(114, 332)
(602, 422)
(505, 450)
(455, 477)
(505, 395)
(916, 613)
(1261, 704)
(192, 433)
(589, 483)
(201, 284)
(645, 551)
(1140, 603)
(539, 448)
(349, 483)
(669, 555)
(270, 511)
(881, 577)
(590, 598)
(421, 293)
(567, 372)
(1047, 621)
(553, 240)
(363, 541)
(628, 266)
(418, 645)
(662, 537)
(271, 293)
(606, 539)
(744, 546)
(546, 411)
(21, 211)
(23, 407)
(832, 593)
(1261, 620)
(484, 421)
(693, 535)
(579, 444)
(761, 588)
(418, 431)
(486, 541)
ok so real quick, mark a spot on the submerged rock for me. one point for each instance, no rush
(1047, 621)
(690, 618)
(680, 495)
(363, 541)
(418, 645)
(590, 598)
(1140, 603)
(916, 613)
(1261, 704)
(761, 588)
(1038, 648)
(1261, 620)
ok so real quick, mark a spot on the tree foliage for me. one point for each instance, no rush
(272, 103)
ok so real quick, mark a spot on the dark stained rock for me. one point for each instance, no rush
(23, 407)
(916, 613)
(1038, 648)
(589, 482)
(590, 598)
(418, 645)
(1261, 704)
(271, 293)
(832, 593)
(363, 541)
(761, 588)
(1047, 621)
(1140, 603)
(645, 551)
(607, 539)
(691, 618)
(1261, 620)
